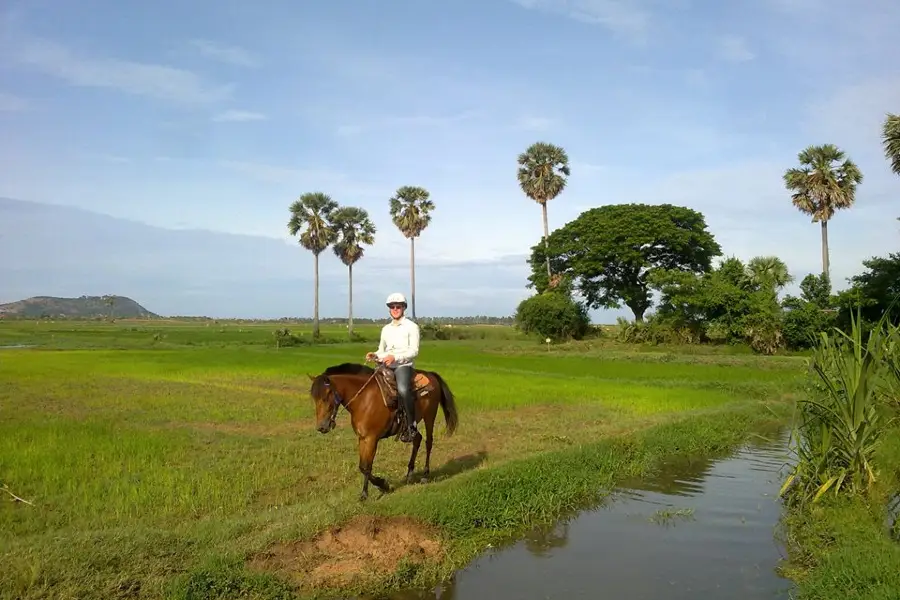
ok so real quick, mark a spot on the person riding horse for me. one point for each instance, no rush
(397, 350)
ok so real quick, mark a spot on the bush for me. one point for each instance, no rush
(553, 314)
(802, 324)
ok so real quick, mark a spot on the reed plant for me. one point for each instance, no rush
(837, 429)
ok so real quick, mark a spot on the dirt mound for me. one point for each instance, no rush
(362, 548)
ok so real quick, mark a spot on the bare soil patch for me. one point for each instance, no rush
(365, 547)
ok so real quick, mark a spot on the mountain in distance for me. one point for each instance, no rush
(84, 307)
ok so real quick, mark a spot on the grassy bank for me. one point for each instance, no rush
(843, 548)
(186, 467)
(847, 477)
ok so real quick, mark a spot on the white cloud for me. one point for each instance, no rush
(623, 17)
(734, 48)
(232, 55)
(238, 116)
(142, 79)
(11, 103)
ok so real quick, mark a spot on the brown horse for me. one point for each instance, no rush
(354, 387)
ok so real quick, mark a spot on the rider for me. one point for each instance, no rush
(397, 349)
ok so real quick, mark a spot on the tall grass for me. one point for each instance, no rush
(838, 429)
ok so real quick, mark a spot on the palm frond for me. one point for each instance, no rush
(411, 210)
(542, 172)
(311, 218)
(890, 137)
(825, 182)
(354, 229)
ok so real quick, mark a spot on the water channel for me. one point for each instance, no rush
(703, 528)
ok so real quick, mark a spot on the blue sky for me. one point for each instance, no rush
(216, 115)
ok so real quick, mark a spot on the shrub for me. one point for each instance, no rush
(802, 324)
(553, 314)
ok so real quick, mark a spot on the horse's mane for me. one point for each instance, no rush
(317, 389)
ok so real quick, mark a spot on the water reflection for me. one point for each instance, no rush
(727, 549)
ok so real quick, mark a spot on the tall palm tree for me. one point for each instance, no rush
(354, 228)
(825, 182)
(768, 272)
(411, 213)
(543, 169)
(311, 214)
(891, 138)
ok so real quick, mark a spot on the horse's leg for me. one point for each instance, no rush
(417, 441)
(367, 449)
(429, 440)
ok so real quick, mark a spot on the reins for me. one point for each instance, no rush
(338, 401)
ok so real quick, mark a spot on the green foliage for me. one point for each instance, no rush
(553, 314)
(810, 314)
(610, 251)
(411, 210)
(839, 428)
(739, 302)
(825, 181)
(311, 217)
(542, 173)
(890, 137)
(873, 292)
(354, 230)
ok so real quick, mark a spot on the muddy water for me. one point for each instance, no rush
(701, 529)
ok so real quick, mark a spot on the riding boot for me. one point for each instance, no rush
(409, 407)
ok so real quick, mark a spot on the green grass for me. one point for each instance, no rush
(841, 547)
(161, 465)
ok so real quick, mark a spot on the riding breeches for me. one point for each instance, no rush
(404, 375)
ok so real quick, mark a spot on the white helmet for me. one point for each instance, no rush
(396, 298)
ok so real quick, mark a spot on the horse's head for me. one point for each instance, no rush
(326, 400)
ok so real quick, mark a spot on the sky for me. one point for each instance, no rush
(217, 115)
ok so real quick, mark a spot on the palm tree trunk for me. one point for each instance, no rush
(316, 294)
(546, 235)
(825, 262)
(350, 313)
(412, 274)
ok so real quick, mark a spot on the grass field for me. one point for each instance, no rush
(181, 460)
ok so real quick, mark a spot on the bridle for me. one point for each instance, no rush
(338, 401)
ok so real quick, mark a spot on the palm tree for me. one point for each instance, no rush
(768, 272)
(354, 228)
(541, 176)
(826, 181)
(311, 214)
(891, 138)
(410, 211)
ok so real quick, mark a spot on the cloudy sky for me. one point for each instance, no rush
(216, 115)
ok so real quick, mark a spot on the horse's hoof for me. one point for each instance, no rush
(363, 497)
(423, 479)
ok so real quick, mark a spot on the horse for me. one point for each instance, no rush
(358, 388)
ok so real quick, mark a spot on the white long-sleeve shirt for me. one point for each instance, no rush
(401, 339)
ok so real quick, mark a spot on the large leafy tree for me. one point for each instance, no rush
(354, 229)
(411, 213)
(543, 169)
(825, 182)
(608, 252)
(311, 218)
(890, 137)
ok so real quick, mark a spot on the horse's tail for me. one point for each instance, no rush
(448, 405)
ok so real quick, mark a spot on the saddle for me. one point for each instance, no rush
(387, 384)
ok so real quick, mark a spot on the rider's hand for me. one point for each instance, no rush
(370, 356)
(388, 359)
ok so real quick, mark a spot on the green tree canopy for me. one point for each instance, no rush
(608, 252)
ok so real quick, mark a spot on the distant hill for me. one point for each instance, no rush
(85, 307)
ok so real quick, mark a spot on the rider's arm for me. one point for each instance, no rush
(382, 347)
(413, 350)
